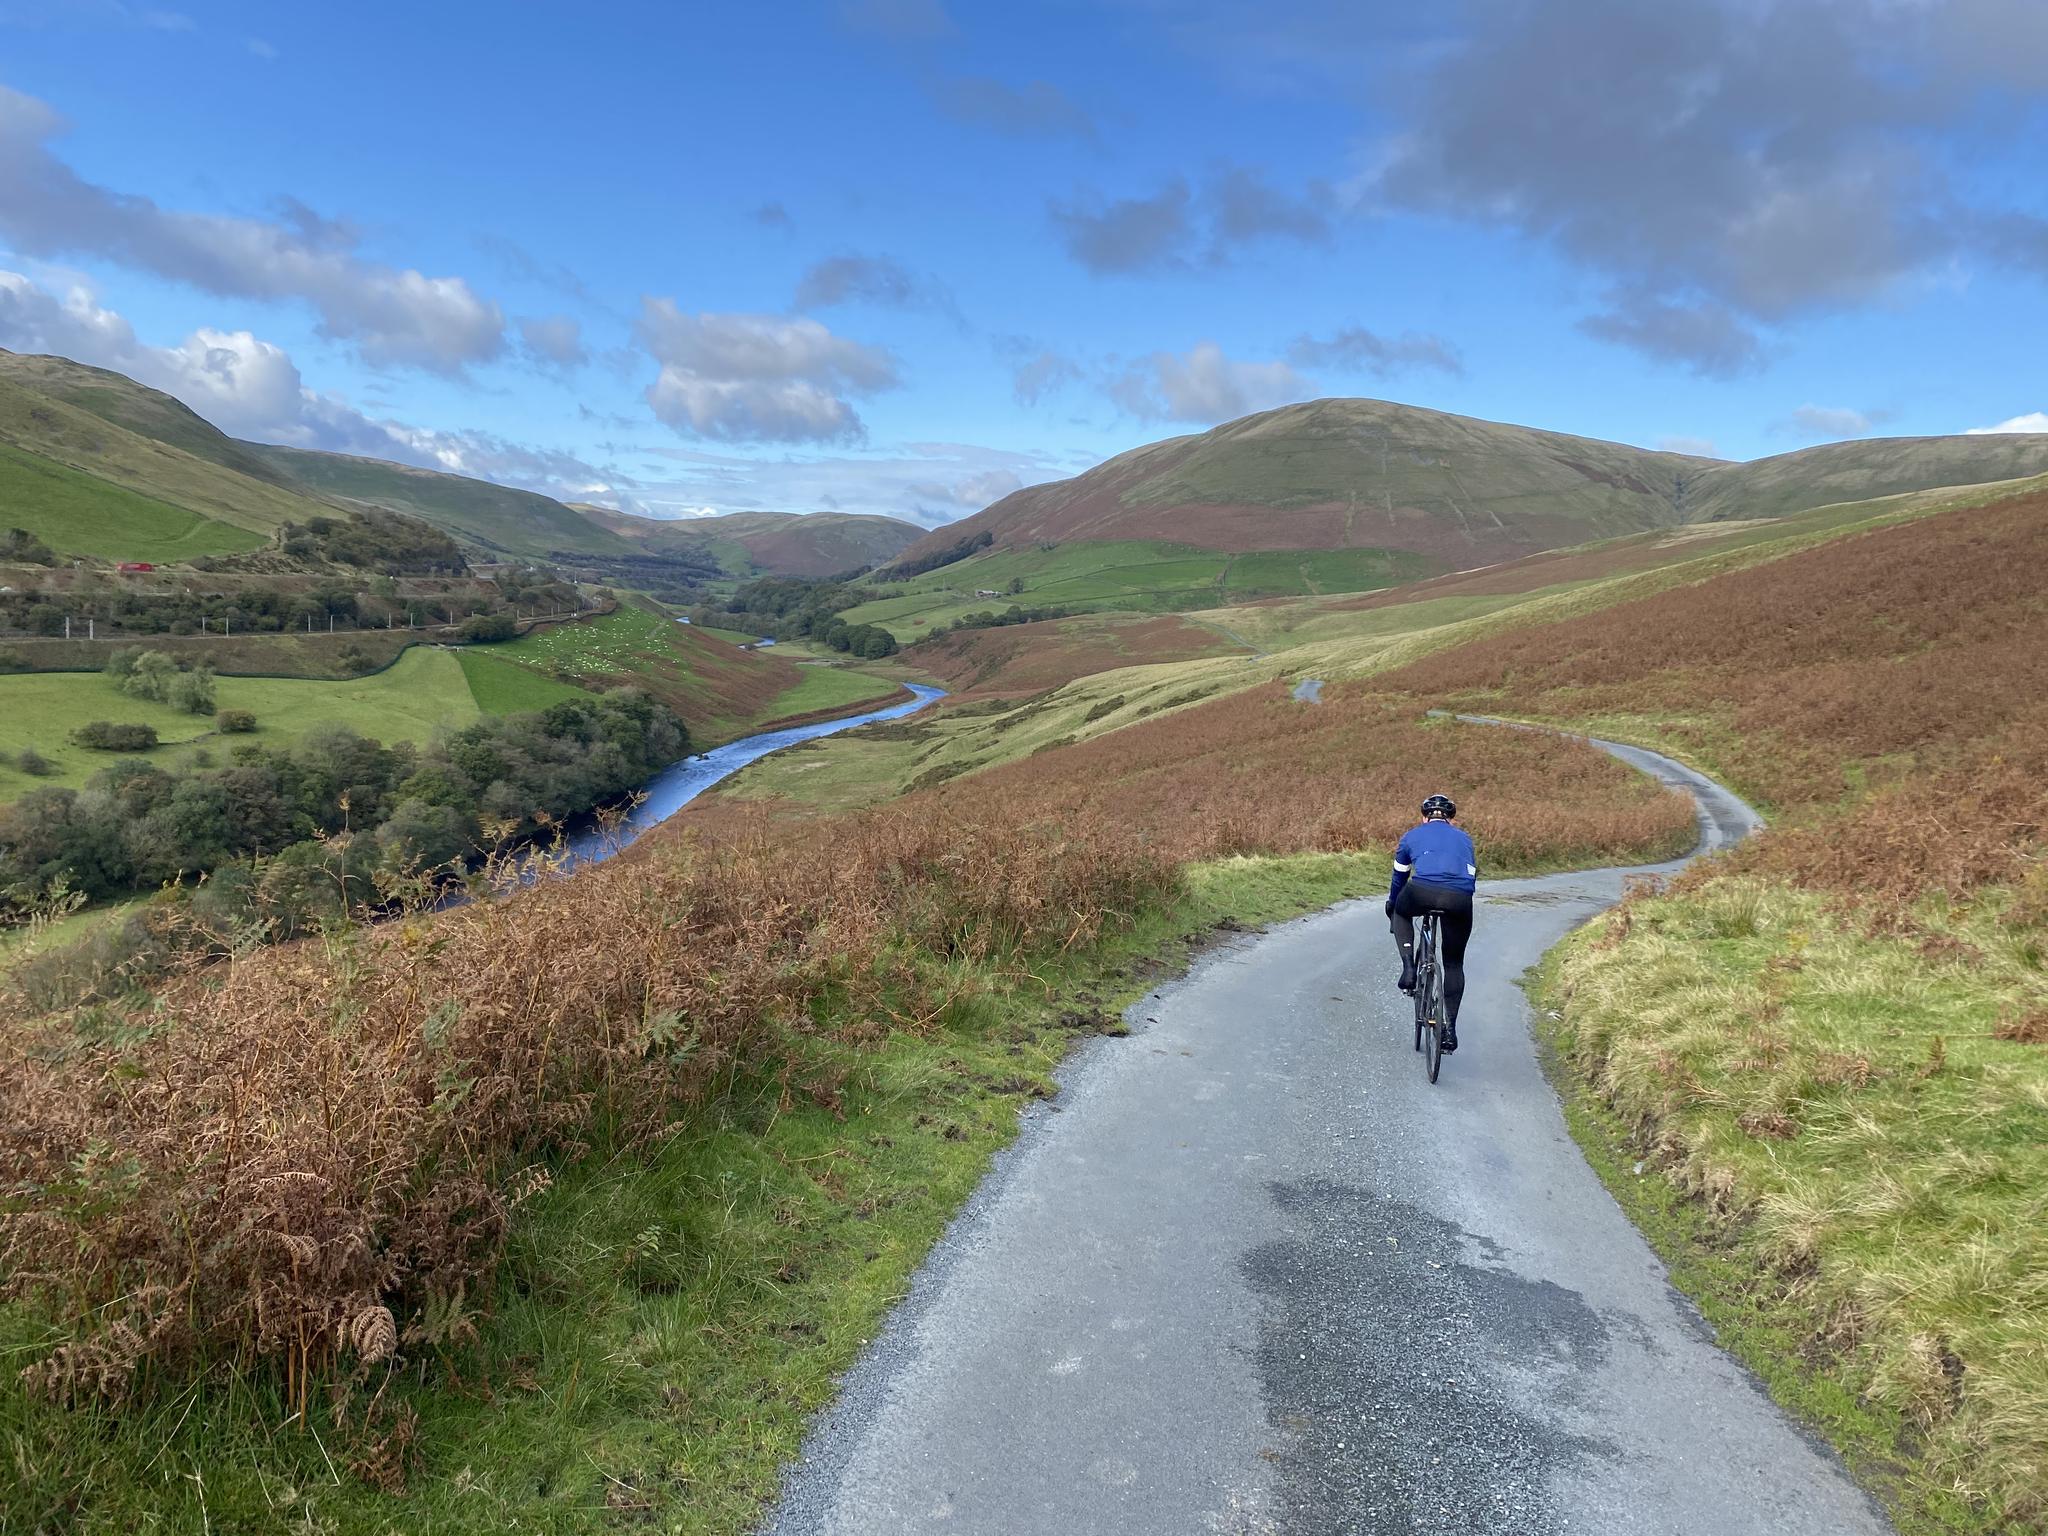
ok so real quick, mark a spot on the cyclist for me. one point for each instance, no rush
(1435, 870)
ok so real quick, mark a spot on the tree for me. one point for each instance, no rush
(193, 691)
(148, 676)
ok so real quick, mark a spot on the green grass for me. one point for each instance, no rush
(827, 687)
(422, 693)
(612, 642)
(730, 636)
(671, 1317)
(503, 687)
(1819, 1130)
(1133, 575)
(17, 944)
(80, 514)
(46, 427)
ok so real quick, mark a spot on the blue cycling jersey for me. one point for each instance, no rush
(1436, 853)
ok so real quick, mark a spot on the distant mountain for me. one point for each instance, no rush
(1373, 474)
(769, 543)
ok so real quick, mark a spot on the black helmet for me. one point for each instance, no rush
(1440, 805)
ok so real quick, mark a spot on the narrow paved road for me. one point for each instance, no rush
(1251, 1274)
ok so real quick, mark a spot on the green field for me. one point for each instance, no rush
(502, 687)
(823, 687)
(611, 642)
(424, 692)
(730, 636)
(80, 514)
(1132, 575)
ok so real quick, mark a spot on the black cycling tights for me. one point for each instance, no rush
(1419, 896)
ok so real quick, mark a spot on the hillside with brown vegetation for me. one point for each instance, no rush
(1804, 677)
(1261, 772)
(1016, 659)
(323, 1148)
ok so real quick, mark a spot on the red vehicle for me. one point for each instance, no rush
(136, 565)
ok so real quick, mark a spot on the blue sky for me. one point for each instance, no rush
(904, 255)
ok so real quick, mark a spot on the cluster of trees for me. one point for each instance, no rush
(1014, 614)
(375, 540)
(681, 578)
(292, 834)
(800, 608)
(270, 608)
(870, 642)
(904, 568)
(162, 680)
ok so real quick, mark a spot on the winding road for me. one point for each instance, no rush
(1251, 1274)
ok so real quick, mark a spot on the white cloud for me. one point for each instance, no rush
(393, 317)
(2033, 421)
(928, 483)
(1204, 386)
(758, 378)
(556, 340)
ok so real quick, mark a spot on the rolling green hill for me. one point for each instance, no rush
(769, 543)
(1372, 474)
(86, 484)
(491, 517)
(116, 398)
(1861, 471)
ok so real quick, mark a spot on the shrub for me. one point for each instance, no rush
(23, 547)
(488, 628)
(231, 722)
(112, 736)
(12, 660)
(32, 762)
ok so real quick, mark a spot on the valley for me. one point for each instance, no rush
(639, 1160)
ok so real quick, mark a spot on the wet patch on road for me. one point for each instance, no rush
(1415, 1383)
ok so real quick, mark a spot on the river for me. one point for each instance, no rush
(676, 786)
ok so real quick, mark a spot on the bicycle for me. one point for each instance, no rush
(1429, 995)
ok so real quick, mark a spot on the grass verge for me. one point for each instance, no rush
(1838, 1141)
(672, 1314)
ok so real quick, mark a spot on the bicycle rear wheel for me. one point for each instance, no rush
(1430, 994)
